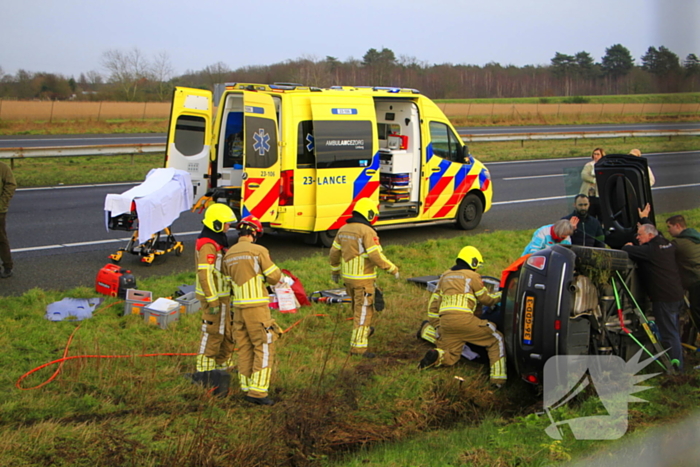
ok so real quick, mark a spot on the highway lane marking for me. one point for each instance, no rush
(63, 187)
(552, 198)
(586, 158)
(532, 176)
(96, 242)
(196, 232)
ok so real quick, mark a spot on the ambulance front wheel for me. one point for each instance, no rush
(326, 238)
(469, 212)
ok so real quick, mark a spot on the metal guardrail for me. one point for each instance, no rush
(577, 135)
(76, 151)
(131, 149)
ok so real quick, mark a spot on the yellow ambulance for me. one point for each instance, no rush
(299, 157)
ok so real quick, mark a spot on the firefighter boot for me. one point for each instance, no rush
(259, 400)
(220, 380)
(431, 356)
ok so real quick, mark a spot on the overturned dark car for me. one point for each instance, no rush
(575, 300)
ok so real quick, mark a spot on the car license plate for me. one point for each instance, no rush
(527, 322)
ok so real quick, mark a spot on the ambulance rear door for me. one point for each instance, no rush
(347, 162)
(261, 162)
(189, 135)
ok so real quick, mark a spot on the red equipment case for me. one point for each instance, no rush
(113, 281)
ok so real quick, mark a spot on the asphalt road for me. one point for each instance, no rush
(59, 238)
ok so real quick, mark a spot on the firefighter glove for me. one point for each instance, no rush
(335, 277)
(396, 274)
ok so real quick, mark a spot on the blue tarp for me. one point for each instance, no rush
(72, 309)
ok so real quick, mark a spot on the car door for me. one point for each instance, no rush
(261, 161)
(189, 136)
(347, 160)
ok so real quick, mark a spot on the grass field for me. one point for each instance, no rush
(333, 410)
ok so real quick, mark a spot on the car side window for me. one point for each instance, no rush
(445, 143)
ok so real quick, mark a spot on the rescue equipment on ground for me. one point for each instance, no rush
(114, 281)
(429, 282)
(298, 288)
(72, 309)
(162, 312)
(148, 210)
(288, 294)
(330, 296)
(283, 299)
(136, 300)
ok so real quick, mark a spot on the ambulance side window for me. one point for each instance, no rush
(261, 142)
(306, 157)
(444, 142)
(233, 141)
(341, 143)
(189, 135)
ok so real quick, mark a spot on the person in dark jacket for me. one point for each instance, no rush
(7, 191)
(656, 259)
(687, 242)
(588, 231)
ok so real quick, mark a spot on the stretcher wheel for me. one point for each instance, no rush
(179, 248)
(116, 257)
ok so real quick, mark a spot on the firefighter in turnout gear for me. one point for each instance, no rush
(355, 255)
(249, 266)
(459, 292)
(213, 291)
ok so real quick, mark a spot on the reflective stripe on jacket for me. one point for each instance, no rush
(460, 290)
(249, 266)
(211, 283)
(356, 253)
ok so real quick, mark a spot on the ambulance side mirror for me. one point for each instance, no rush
(465, 157)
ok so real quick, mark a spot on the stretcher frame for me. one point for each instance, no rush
(154, 246)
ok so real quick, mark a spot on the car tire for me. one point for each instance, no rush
(469, 212)
(327, 237)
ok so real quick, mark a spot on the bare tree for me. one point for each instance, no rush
(161, 73)
(127, 70)
(217, 73)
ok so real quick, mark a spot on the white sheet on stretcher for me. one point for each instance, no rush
(159, 200)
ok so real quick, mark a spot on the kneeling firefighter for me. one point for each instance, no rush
(249, 266)
(355, 254)
(456, 296)
(213, 291)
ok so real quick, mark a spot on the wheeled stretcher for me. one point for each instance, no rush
(148, 210)
(159, 243)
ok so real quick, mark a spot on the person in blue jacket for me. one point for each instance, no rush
(551, 234)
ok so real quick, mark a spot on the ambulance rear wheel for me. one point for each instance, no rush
(326, 238)
(469, 212)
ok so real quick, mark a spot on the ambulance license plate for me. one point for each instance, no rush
(527, 322)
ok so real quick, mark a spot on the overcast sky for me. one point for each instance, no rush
(69, 36)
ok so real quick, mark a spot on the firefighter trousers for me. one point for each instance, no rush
(458, 327)
(362, 295)
(255, 333)
(217, 344)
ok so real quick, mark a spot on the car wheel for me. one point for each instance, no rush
(469, 212)
(326, 238)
